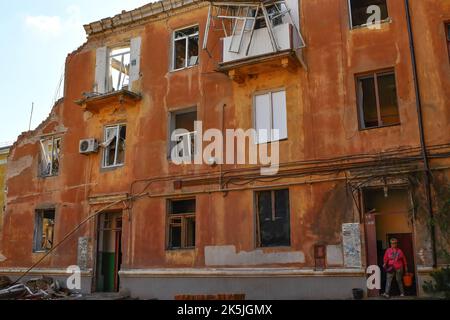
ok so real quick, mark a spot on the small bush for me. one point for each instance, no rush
(440, 286)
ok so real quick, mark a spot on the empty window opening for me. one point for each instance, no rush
(273, 218)
(109, 252)
(50, 156)
(44, 230)
(358, 11)
(183, 129)
(115, 141)
(186, 48)
(377, 100)
(181, 224)
(119, 69)
(270, 116)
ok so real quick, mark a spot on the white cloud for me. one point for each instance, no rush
(56, 26)
(50, 25)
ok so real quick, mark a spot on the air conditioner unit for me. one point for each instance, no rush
(88, 146)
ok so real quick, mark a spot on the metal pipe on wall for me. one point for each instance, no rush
(427, 171)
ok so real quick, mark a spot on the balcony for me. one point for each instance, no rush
(258, 36)
(94, 102)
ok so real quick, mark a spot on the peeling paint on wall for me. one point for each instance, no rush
(228, 256)
(18, 166)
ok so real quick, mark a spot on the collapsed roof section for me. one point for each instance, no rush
(149, 10)
(254, 28)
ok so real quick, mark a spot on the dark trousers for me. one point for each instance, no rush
(398, 274)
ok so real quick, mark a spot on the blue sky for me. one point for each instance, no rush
(36, 38)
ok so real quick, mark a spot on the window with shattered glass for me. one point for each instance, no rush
(114, 146)
(50, 157)
(119, 69)
(44, 230)
(182, 127)
(186, 48)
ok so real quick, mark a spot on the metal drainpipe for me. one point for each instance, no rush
(427, 173)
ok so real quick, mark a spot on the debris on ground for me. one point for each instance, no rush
(44, 288)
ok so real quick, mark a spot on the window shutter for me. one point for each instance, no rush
(135, 60)
(263, 118)
(279, 114)
(100, 70)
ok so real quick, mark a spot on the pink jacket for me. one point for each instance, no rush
(396, 258)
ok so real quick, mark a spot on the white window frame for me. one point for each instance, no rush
(117, 127)
(186, 39)
(270, 138)
(110, 86)
(55, 154)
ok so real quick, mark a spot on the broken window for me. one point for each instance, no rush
(358, 11)
(183, 131)
(377, 100)
(49, 159)
(119, 69)
(181, 224)
(114, 153)
(44, 230)
(273, 218)
(185, 48)
(241, 24)
(270, 116)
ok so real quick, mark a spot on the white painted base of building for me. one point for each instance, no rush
(255, 284)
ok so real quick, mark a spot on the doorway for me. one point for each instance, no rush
(109, 252)
(389, 215)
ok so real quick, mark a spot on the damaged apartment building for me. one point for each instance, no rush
(363, 113)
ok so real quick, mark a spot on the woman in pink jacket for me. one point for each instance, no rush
(395, 264)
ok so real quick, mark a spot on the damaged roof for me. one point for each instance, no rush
(147, 11)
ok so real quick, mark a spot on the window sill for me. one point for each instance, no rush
(365, 26)
(180, 249)
(41, 252)
(112, 168)
(185, 68)
(380, 127)
(275, 248)
(49, 176)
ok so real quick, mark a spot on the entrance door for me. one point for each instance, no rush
(389, 217)
(109, 253)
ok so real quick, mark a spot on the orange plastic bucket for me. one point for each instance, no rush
(408, 279)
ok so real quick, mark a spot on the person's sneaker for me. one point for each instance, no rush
(402, 295)
(386, 295)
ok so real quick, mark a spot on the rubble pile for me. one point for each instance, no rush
(44, 288)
